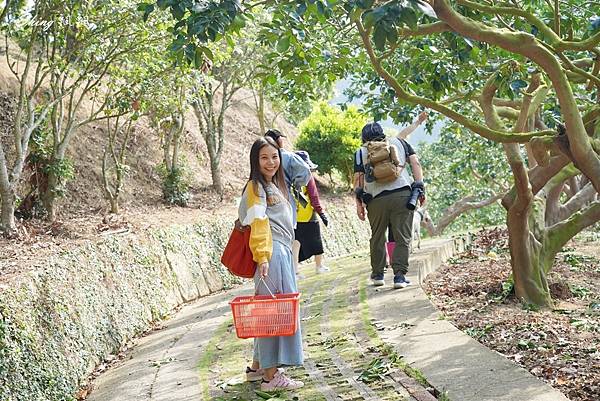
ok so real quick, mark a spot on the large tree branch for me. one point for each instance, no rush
(516, 12)
(491, 134)
(526, 45)
(560, 233)
(581, 45)
(460, 207)
(583, 197)
(579, 71)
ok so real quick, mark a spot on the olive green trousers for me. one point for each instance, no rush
(386, 211)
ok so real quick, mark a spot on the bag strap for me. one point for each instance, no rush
(403, 142)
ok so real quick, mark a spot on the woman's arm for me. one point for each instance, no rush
(261, 241)
(313, 194)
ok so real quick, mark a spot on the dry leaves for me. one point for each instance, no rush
(560, 346)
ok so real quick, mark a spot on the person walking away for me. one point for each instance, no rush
(308, 229)
(383, 188)
(266, 208)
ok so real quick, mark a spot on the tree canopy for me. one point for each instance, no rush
(522, 73)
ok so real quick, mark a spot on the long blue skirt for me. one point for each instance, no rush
(287, 350)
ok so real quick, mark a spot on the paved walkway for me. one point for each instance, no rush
(359, 341)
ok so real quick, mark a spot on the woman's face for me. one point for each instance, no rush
(268, 158)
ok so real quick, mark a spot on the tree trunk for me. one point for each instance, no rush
(114, 205)
(529, 274)
(48, 197)
(260, 112)
(7, 212)
(216, 175)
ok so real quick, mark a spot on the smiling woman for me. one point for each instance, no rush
(269, 161)
(265, 207)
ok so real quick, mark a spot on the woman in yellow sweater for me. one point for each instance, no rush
(265, 207)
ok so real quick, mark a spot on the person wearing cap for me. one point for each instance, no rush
(385, 202)
(296, 172)
(308, 229)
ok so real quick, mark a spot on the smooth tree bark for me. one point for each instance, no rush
(213, 96)
(79, 79)
(114, 159)
(63, 61)
(173, 129)
(29, 116)
(453, 212)
(258, 93)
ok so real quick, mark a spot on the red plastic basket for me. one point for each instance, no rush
(265, 315)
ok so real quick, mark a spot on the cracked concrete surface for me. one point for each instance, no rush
(163, 366)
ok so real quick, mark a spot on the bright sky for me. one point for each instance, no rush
(419, 135)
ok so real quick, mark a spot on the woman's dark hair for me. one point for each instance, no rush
(256, 176)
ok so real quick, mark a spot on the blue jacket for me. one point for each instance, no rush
(296, 174)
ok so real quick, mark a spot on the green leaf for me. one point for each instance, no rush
(163, 4)
(409, 17)
(369, 19)
(177, 11)
(284, 44)
(425, 8)
(366, 4)
(208, 53)
(272, 79)
(321, 7)
(595, 23)
(392, 35)
(379, 36)
(147, 9)
(263, 395)
(517, 85)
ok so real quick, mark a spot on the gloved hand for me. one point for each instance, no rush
(421, 186)
(418, 184)
(324, 218)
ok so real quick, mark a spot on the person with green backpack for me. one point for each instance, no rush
(383, 188)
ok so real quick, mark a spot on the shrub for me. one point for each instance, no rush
(331, 136)
(175, 185)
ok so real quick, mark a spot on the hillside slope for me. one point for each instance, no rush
(143, 186)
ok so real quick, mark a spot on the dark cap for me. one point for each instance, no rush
(372, 132)
(306, 157)
(274, 134)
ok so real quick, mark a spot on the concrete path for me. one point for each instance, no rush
(196, 356)
(450, 360)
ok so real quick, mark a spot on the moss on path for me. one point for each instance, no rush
(345, 358)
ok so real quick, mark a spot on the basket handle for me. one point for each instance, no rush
(262, 280)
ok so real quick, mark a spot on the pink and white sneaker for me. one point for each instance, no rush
(253, 375)
(257, 375)
(281, 382)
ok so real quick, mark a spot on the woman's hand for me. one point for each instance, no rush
(263, 269)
